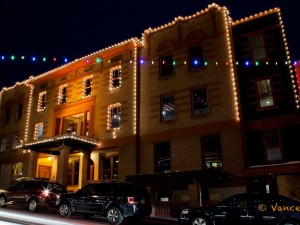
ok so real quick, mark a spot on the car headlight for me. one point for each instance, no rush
(185, 211)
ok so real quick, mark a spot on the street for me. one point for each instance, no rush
(19, 216)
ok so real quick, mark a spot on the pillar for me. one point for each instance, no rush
(62, 166)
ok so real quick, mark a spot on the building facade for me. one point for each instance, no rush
(175, 110)
(269, 90)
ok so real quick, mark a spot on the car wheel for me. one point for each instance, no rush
(32, 205)
(64, 210)
(114, 216)
(2, 201)
(199, 221)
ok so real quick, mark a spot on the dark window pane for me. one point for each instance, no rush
(168, 111)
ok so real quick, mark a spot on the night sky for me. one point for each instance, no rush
(73, 29)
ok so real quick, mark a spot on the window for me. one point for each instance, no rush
(211, 149)
(20, 110)
(257, 47)
(272, 146)
(196, 59)
(115, 79)
(38, 132)
(265, 93)
(110, 167)
(16, 140)
(42, 101)
(166, 65)
(114, 115)
(87, 86)
(199, 101)
(3, 144)
(168, 108)
(62, 94)
(17, 169)
(7, 115)
(73, 171)
(162, 157)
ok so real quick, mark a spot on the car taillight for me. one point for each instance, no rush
(46, 193)
(130, 200)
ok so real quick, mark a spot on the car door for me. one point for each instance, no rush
(81, 199)
(92, 198)
(234, 210)
(261, 210)
(19, 195)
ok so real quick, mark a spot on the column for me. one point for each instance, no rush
(62, 166)
(32, 164)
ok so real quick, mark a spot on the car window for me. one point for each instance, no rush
(238, 201)
(16, 187)
(54, 187)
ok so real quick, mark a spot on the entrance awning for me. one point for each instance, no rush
(53, 145)
(186, 177)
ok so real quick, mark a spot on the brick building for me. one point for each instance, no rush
(173, 110)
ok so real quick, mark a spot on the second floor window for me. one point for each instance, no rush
(38, 131)
(115, 79)
(272, 146)
(20, 110)
(87, 86)
(199, 101)
(114, 116)
(166, 65)
(211, 151)
(196, 59)
(62, 95)
(265, 93)
(42, 101)
(7, 115)
(162, 157)
(168, 108)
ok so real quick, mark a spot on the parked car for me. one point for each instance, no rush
(111, 200)
(246, 209)
(32, 194)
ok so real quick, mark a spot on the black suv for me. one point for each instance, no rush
(32, 194)
(111, 200)
(246, 209)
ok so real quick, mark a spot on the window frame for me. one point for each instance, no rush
(194, 57)
(38, 131)
(62, 94)
(200, 110)
(164, 105)
(267, 138)
(211, 148)
(3, 143)
(265, 93)
(42, 101)
(20, 111)
(115, 78)
(162, 157)
(87, 86)
(110, 115)
(260, 46)
(166, 65)
(7, 115)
